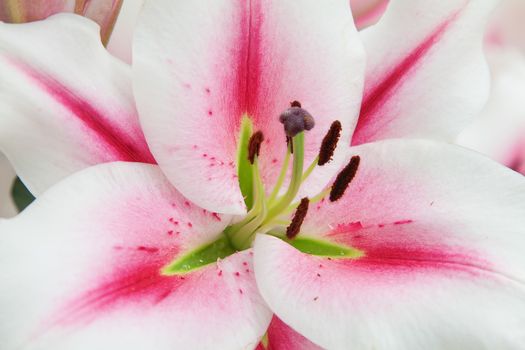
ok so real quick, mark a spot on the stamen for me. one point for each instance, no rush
(344, 178)
(295, 104)
(297, 221)
(329, 143)
(254, 146)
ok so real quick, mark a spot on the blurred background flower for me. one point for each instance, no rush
(499, 132)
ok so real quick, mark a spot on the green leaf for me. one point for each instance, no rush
(244, 168)
(200, 257)
(21, 195)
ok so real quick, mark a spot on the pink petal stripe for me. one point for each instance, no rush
(121, 145)
(404, 247)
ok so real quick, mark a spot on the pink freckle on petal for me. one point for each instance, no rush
(402, 222)
(187, 85)
(170, 219)
(177, 233)
(195, 146)
(381, 225)
(207, 90)
(318, 275)
(245, 263)
(210, 112)
(237, 274)
(240, 290)
(274, 160)
(186, 203)
(247, 270)
(190, 224)
(220, 273)
(170, 232)
(204, 155)
(216, 216)
(320, 266)
(147, 249)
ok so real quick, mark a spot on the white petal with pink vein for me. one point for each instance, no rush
(86, 274)
(442, 232)
(200, 65)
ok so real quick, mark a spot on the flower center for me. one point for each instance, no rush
(270, 213)
(276, 212)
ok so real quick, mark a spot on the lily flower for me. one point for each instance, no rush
(388, 244)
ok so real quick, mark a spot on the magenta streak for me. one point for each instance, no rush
(413, 257)
(124, 147)
(138, 285)
(387, 248)
(133, 280)
(249, 71)
(376, 96)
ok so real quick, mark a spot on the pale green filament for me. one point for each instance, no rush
(282, 176)
(267, 212)
(310, 169)
(241, 237)
(295, 182)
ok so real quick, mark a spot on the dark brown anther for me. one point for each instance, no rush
(298, 218)
(254, 146)
(344, 178)
(295, 104)
(329, 143)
